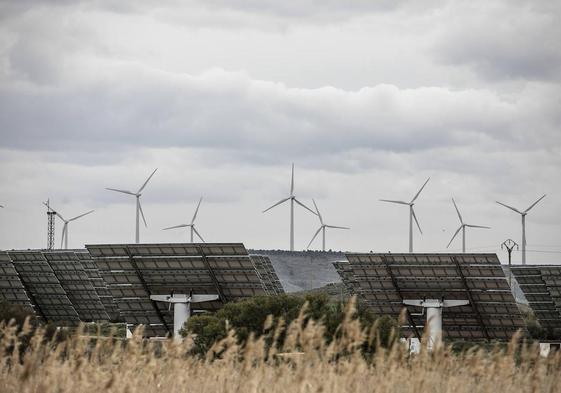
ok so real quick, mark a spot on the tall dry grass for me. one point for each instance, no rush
(304, 363)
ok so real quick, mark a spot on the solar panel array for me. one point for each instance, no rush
(77, 285)
(11, 288)
(384, 280)
(49, 299)
(267, 273)
(542, 287)
(134, 272)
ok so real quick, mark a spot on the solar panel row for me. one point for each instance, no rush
(384, 280)
(542, 288)
(134, 272)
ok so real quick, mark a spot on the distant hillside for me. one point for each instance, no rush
(304, 270)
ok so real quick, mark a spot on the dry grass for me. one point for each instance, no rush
(305, 363)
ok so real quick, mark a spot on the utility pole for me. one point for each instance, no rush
(509, 244)
(50, 226)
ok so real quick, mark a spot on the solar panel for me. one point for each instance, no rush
(542, 288)
(384, 280)
(48, 297)
(11, 288)
(345, 272)
(77, 284)
(265, 270)
(99, 285)
(134, 272)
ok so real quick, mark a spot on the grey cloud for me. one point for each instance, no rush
(517, 40)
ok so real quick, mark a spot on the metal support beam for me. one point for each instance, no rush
(212, 275)
(396, 287)
(470, 297)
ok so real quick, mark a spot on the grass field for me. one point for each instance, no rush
(304, 363)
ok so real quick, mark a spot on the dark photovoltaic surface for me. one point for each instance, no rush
(267, 273)
(345, 272)
(49, 299)
(384, 280)
(542, 288)
(77, 284)
(11, 288)
(133, 272)
(98, 283)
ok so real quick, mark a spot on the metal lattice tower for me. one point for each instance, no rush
(50, 227)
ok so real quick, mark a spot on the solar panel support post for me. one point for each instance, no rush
(182, 308)
(433, 309)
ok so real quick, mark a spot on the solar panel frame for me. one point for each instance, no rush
(133, 272)
(77, 284)
(384, 280)
(12, 290)
(541, 285)
(267, 273)
(48, 297)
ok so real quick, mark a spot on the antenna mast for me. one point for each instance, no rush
(509, 244)
(50, 227)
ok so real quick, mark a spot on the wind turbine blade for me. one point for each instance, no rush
(199, 235)
(80, 216)
(418, 192)
(122, 191)
(276, 204)
(458, 211)
(142, 213)
(336, 227)
(313, 238)
(534, 204)
(318, 213)
(177, 226)
(196, 211)
(292, 181)
(455, 234)
(392, 201)
(477, 226)
(64, 230)
(146, 182)
(416, 221)
(305, 207)
(509, 207)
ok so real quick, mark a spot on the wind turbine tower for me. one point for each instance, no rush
(523, 214)
(191, 226)
(322, 228)
(139, 211)
(292, 199)
(462, 228)
(412, 215)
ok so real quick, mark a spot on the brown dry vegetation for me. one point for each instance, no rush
(305, 363)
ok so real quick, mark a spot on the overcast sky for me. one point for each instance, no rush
(368, 99)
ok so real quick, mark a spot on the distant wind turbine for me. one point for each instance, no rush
(64, 238)
(462, 228)
(191, 226)
(139, 211)
(292, 199)
(412, 215)
(322, 228)
(523, 214)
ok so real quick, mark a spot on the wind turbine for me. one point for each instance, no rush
(523, 214)
(412, 215)
(292, 199)
(64, 238)
(191, 225)
(139, 211)
(322, 228)
(463, 228)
